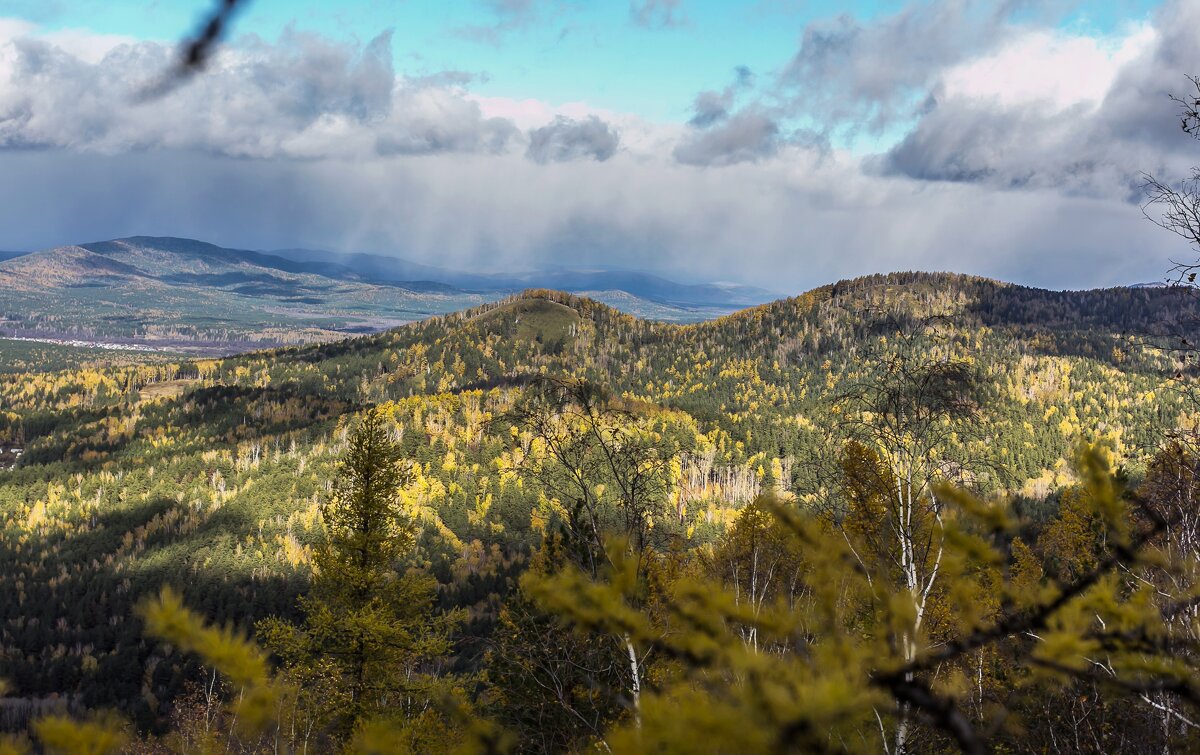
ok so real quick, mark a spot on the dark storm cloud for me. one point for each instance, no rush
(656, 14)
(784, 225)
(567, 139)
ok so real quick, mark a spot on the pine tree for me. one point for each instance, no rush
(367, 625)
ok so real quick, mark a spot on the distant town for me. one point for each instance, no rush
(113, 346)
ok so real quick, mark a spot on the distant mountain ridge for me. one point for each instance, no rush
(176, 292)
(655, 288)
(184, 293)
(167, 253)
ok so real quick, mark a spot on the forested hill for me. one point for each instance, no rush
(564, 333)
(210, 474)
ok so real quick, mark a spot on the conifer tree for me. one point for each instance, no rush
(367, 624)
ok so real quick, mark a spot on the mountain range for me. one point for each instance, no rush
(642, 285)
(191, 295)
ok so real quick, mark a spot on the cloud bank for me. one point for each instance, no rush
(1006, 147)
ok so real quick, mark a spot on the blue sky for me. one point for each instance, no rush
(580, 50)
(786, 143)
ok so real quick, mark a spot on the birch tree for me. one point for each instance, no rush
(610, 472)
(900, 422)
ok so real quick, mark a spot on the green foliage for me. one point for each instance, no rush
(555, 688)
(224, 649)
(829, 670)
(20, 356)
(367, 628)
(216, 476)
(365, 531)
(59, 735)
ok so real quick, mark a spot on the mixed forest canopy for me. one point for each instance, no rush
(903, 513)
(909, 512)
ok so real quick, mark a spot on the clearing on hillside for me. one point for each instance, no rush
(539, 320)
(166, 390)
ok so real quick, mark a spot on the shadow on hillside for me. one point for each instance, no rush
(82, 440)
(89, 607)
(1096, 325)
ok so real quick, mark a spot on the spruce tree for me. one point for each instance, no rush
(368, 623)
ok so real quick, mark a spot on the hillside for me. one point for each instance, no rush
(209, 474)
(192, 296)
(196, 297)
(35, 356)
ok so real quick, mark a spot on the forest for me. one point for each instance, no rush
(902, 513)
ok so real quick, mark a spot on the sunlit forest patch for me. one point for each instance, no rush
(212, 475)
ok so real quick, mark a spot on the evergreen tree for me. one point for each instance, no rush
(367, 624)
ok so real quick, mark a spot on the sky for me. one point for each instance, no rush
(782, 143)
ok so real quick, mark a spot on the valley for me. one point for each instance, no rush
(191, 297)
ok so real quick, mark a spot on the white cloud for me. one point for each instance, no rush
(638, 135)
(301, 97)
(1049, 68)
(1046, 110)
(11, 28)
(87, 45)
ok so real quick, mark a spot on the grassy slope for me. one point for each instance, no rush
(531, 320)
